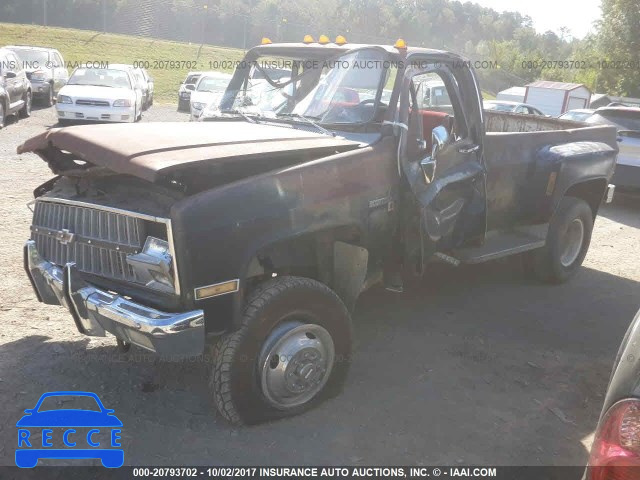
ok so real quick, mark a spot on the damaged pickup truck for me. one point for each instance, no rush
(252, 235)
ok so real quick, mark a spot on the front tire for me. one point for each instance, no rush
(291, 352)
(49, 99)
(25, 112)
(567, 244)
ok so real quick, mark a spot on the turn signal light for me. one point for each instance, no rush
(323, 40)
(615, 454)
(218, 289)
(265, 41)
(308, 39)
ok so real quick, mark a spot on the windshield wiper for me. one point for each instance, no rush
(242, 114)
(309, 121)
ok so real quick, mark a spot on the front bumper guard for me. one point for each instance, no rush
(96, 311)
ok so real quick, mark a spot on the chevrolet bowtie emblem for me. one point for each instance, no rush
(64, 236)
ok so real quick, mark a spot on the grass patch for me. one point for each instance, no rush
(80, 46)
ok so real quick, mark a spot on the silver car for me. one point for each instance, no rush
(45, 69)
(513, 107)
(627, 121)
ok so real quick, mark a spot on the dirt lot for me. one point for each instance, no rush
(470, 366)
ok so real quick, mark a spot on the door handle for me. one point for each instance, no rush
(471, 149)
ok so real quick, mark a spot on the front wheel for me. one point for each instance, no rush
(25, 112)
(49, 100)
(291, 352)
(567, 243)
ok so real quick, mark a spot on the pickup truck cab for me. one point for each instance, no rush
(251, 236)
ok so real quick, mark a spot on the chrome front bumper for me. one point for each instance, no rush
(96, 311)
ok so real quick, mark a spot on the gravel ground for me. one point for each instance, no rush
(470, 366)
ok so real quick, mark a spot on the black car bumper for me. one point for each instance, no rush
(626, 177)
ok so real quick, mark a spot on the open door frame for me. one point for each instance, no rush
(450, 197)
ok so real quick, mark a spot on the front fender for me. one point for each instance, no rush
(218, 232)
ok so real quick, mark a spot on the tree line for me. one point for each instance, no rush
(606, 60)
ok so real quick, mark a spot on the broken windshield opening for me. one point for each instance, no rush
(341, 90)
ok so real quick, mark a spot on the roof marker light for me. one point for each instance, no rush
(323, 40)
(265, 41)
(400, 44)
(308, 39)
(340, 40)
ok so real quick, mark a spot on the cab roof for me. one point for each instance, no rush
(317, 49)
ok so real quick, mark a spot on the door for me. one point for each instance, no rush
(576, 103)
(441, 158)
(60, 73)
(15, 84)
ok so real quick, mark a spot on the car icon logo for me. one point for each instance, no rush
(69, 433)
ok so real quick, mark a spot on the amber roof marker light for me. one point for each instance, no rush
(265, 41)
(323, 40)
(340, 40)
(308, 39)
(400, 44)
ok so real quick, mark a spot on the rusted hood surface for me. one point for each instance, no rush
(151, 150)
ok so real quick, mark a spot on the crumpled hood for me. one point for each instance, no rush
(151, 150)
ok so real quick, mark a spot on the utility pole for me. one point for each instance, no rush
(44, 12)
(104, 16)
(244, 34)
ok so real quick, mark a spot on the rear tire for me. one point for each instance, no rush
(567, 244)
(3, 114)
(291, 352)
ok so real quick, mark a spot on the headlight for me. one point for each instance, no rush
(198, 105)
(122, 103)
(153, 265)
(64, 99)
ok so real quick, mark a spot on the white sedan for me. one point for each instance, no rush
(109, 94)
(209, 89)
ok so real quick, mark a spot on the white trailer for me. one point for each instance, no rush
(555, 98)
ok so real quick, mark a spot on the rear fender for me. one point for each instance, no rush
(578, 169)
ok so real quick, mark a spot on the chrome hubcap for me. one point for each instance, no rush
(295, 363)
(572, 242)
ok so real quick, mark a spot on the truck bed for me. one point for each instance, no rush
(505, 122)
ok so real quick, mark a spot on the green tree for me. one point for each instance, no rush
(620, 43)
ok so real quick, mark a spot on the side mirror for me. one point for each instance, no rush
(189, 86)
(439, 139)
(10, 74)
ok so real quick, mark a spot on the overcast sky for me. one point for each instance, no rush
(577, 15)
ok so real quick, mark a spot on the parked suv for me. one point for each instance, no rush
(15, 89)
(45, 69)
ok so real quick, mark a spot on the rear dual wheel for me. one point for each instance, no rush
(567, 244)
(291, 352)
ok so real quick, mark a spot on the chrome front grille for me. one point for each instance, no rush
(97, 240)
(93, 103)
